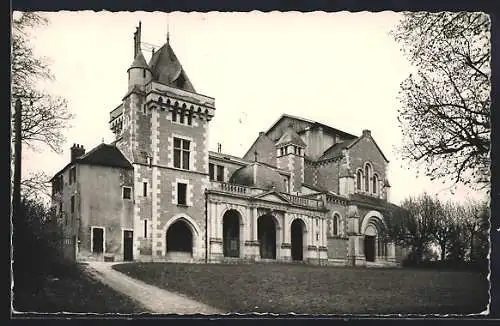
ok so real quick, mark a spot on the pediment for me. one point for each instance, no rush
(272, 196)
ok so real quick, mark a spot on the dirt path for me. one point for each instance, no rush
(156, 300)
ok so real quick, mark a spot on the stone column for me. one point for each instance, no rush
(216, 239)
(286, 246)
(252, 243)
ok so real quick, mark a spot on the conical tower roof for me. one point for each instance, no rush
(139, 62)
(167, 69)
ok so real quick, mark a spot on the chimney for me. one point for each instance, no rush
(366, 132)
(262, 133)
(77, 151)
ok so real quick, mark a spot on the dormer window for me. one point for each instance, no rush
(179, 82)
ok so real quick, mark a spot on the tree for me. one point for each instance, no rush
(445, 113)
(44, 116)
(413, 224)
(444, 227)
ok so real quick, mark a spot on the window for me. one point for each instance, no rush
(181, 193)
(127, 192)
(220, 173)
(282, 151)
(72, 175)
(145, 228)
(182, 117)
(190, 118)
(317, 236)
(211, 172)
(60, 208)
(285, 183)
(145, 189)
(359, 179)
(335, 224)
(317, 222)
(143, 73)
(72, 204)
(174, 115)
(368, 172)
(375, 183)
(181, 153)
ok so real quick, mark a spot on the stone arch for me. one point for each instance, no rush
(369, 216)
(374, 246)
(268, 233)
(193, 226)
(236, 208)
(232, 233)
(298, 217)
(298, 239)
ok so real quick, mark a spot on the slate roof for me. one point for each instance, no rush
(167, 69)
(105, 155)
(139, 62)
(369, 200)
(336, 149)
(290, 137)
(265, 177)
(102, 155)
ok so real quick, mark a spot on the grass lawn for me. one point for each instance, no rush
(72, 291)
(281, 288)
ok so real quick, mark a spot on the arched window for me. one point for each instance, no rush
(336, 221)
(359, 179)
(368, 173)
(375, 184)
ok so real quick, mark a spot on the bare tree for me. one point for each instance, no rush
(414, 224)
(44, 116)
(445, 114)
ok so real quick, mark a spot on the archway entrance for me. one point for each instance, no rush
(180, 238)
(297, 232)
(370, 242)
(231, 233)
(266, 233)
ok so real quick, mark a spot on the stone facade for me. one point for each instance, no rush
(298, 194)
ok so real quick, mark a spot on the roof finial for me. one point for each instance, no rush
(168, 29)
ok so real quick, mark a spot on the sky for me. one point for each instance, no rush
(341, 69)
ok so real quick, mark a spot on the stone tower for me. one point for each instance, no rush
(162, 127)
(290, 149)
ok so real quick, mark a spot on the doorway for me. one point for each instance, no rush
(297, 231)
(128, 241)
(370, 248)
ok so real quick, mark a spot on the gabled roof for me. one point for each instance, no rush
(105, 155)
(290, 137)
(102, 155)
(167, 69)
(374, 142)
(312, 125)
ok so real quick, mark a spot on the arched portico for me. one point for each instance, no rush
(268, 236)
(298, 239)
(231, 233)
